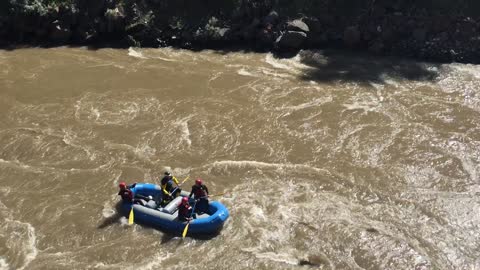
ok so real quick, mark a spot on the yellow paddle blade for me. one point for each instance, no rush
(185, 230)
(185, 180)
(130, 217)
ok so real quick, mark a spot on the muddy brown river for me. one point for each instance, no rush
(329, 160)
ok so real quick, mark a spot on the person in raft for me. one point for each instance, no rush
(184, 210)
(127, 194)
(169, 191)
(201, 195)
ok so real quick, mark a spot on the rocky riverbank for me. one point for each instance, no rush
(430, 30)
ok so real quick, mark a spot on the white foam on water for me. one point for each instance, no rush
(366, 104)
(290, 64)
(257, 213)
(132, 52)
(20, 165)
(106, 110)
(150, 263)
(165, 59)
(3, 264)
(463, 81)
(473, 70)
(183, 124)
(30, 247)
(107, 210)
(154, 263)
(145, 151)
(278, 257)
(96, 113)
(270, 72)
(124, 221)
(468, 154)
(244, 72)
(313, 103)
(108, 65)
(377, 86)
(265, 165)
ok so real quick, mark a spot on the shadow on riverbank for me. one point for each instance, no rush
(347, 66)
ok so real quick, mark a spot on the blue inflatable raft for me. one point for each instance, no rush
(166, 218)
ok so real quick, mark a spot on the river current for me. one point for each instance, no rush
(329, 160)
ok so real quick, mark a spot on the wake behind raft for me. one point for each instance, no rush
(166, 218)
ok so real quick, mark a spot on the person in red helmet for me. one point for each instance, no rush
(125, 192)
(128, 196)
(184, 210)
(201, 195)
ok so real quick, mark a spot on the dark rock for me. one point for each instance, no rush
(110, 4)
(298, 26)
(83, 22)
(290, 40)
(314, 25)
(411, 23)
(376, 47)
(95, 7)
(67, 16)
(214, 30)
(351, 36)
(271, 18)
(388, 34)
(132, 41)
(115, 20)
(136, 27)
(439, 24)
(319, 39)
(238, 14)
(266, 37)
(466, 29)
(378, 12)
(327, 19)
(60, 33)
(187, 35)
(41, 32)
(250, 31)
(101, 25)
(419, 34)
(443, 36)
(218, 33)
(398, 20)
(80, 35)
(3, 28)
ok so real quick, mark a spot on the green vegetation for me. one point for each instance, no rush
(437, 29)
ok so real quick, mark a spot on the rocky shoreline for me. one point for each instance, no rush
(399, 28)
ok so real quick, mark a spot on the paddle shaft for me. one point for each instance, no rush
(178, 186)
(188, 222)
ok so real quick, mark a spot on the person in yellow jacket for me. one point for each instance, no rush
(168, 189)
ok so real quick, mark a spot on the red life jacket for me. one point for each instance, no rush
(127, 195)
(183, 210)
(199, 191)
